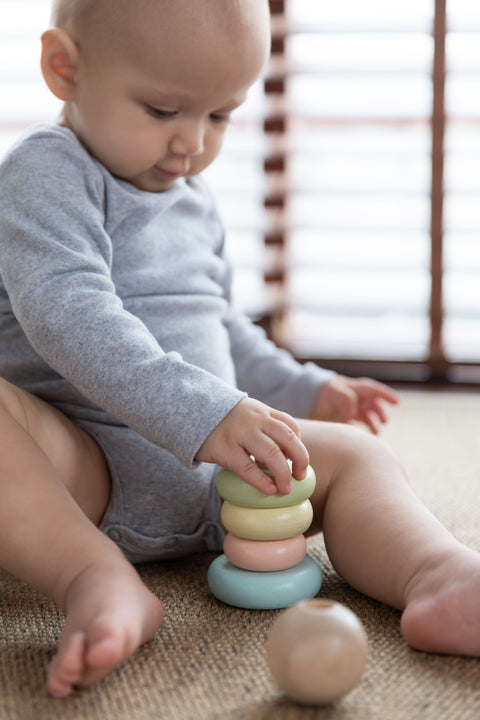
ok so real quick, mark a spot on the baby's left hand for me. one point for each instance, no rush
(344, 400)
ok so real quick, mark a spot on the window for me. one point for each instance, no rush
(359, 99)
(24, 97)
(380, 176)
(348, 181)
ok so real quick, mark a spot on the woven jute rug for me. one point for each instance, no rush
(208, 662)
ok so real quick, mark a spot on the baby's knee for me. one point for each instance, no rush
(370, 455)
(335, 446)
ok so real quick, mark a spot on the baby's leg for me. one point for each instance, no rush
(384, 542)
(54, 488)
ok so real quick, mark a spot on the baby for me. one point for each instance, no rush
(128, 377)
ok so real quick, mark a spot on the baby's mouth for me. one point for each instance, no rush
(170, 172)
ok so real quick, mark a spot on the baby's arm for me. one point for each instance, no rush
(56, 259)
(271, 436)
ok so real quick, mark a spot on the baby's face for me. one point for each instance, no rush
(158, 110)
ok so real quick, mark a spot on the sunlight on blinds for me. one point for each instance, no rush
(25, 99)
(237, 180)
(360, 99)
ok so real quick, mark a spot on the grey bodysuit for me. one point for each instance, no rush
(115, 307)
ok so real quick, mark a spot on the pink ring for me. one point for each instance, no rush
(264, 555)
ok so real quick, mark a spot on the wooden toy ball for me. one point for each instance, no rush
(317, 651)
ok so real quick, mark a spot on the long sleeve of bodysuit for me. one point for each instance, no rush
(59, 270)
(270, 374)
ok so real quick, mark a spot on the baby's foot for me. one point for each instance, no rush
(110, 613)
(442, 613)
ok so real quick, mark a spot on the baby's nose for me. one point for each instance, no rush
(189, 139)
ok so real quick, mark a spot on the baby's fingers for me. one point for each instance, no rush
(373, 415)
(271, 447)
(250, 471)
(377, 390)
(286, 419)
(372, 421)
(286, 439)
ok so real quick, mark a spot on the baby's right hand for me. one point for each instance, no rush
(271, 436)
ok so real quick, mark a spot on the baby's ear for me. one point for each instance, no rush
(59, 62)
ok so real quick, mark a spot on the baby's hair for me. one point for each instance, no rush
(88, 19)
(108, 23)
(66, 13)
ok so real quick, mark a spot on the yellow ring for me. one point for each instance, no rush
(267, 524)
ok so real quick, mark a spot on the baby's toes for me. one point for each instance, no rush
(107, 646)
(67, 667)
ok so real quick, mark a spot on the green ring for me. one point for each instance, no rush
(231, 487)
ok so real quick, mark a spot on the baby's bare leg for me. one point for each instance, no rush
(54, 488)
(385, 543)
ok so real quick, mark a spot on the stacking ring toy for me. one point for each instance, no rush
(231, 487)
(264, 590)
(267, 524)
(265, 556)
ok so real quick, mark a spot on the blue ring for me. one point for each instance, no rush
(264, 590)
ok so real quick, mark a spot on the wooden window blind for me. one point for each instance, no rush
(348, 183)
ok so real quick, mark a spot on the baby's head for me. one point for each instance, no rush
(148, 85)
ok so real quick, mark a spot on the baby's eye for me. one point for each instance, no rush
(220, 117)
(160, 113)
